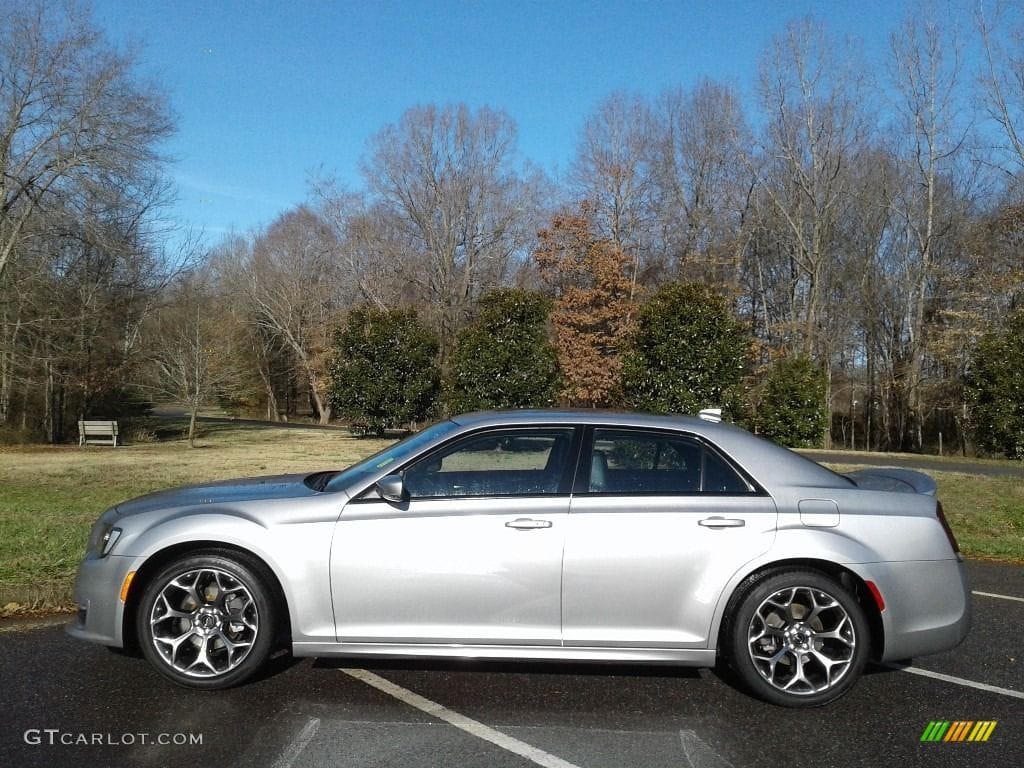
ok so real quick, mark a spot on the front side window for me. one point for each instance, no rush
(633, 461)
(513, 462)
(392, 456)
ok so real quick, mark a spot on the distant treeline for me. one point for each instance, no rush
(863, 217)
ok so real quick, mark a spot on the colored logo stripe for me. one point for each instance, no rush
(958, 730)
(982, 730)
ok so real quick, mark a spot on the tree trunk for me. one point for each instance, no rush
(320, 402)
(828, 402)
(48, 404)
(192, 426)
(268, 387)
(869, 400)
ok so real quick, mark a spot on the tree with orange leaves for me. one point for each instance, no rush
(589, 275)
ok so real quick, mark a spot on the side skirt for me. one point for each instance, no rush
(691, 657)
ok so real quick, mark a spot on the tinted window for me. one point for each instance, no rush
(629, 461)
(719, 477)
(498, 463)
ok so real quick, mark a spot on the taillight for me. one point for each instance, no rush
(945, 526)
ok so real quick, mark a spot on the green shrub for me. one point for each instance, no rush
(792, 410)
(996, 386)
(384, 373)
(685, 352)
(505, 359)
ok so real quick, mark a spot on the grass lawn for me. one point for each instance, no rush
(986, 514)
(50, 495)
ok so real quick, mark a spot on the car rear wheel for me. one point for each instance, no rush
(798, 638)
(207, 620)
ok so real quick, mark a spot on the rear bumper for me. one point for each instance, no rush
(927, 606)
(97, 595)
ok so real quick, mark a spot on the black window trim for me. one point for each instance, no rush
(581, 486)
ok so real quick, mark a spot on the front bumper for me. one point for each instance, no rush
(97, 595)
(928, 606)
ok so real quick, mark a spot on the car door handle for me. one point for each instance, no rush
(722, 522)
(527, 524)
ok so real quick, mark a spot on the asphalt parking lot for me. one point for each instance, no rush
(66, 703)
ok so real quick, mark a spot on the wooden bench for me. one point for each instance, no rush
(97, 433)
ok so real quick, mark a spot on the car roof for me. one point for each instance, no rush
(579, 416)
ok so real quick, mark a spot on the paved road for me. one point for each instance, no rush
(309, 713)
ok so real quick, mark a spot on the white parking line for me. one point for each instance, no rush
(699, 754)
(960, 681)
(470, 726)
(1001, 597)
(295, 748)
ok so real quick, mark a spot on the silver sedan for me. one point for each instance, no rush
(589, 536)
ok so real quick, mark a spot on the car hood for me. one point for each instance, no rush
(223, 492)
(893, 479)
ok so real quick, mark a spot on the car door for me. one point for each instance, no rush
(472, 556)
(659, 524)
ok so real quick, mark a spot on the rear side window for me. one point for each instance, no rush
(634, 461)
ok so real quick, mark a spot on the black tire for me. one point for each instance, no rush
(207, 620)
(796, 638)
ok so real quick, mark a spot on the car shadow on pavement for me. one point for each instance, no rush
(517, 667)
(278, 663)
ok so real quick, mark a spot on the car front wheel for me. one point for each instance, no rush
(798, 639)
(207, 620)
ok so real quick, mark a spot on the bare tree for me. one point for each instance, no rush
(71, 314)
(72, 116)
(868, 314)
(296, 291)
(814, 100)
(816, 128)
(448, 185)
(375, 252)
(702, 180)
(262, 364)
(1002, 80)
(926, 73)
(612, 171)
(185, 351)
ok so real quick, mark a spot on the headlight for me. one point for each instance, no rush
(102, 538)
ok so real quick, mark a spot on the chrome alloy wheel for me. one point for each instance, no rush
(204, 622)
(801, 640)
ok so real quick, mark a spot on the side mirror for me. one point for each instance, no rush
(391, 488)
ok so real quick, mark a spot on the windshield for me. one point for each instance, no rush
(392, 455)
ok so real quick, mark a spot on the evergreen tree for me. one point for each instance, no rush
(505, 359)
(686, 352)
(996, 385)
(384, 373)
(792, 410)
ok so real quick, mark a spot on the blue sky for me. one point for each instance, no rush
(268, 92)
